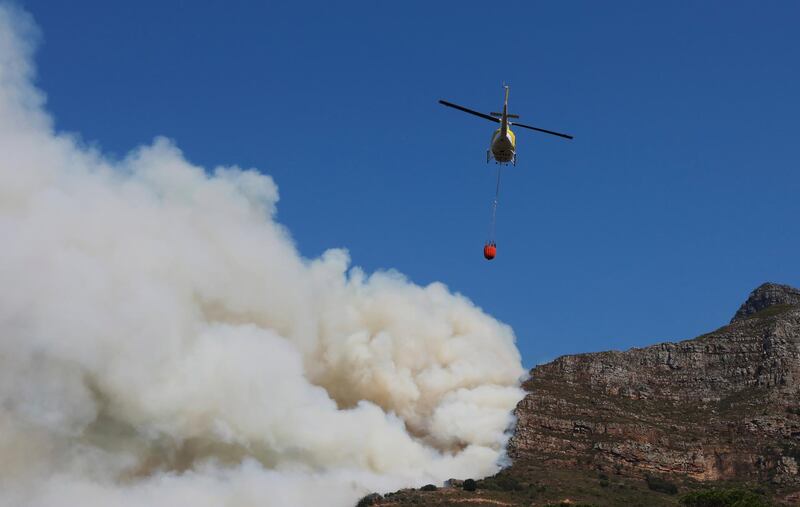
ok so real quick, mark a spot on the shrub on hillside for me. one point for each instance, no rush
(500, 483)
(661, 485)
(369, 500)
(724, 498)
(469, 485)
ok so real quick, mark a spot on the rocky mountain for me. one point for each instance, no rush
(721, 408)
(769, 294)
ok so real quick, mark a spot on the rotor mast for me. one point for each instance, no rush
(504, 118)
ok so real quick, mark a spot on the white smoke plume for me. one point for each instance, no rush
(162, 342)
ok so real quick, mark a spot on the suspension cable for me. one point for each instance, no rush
(494, 206)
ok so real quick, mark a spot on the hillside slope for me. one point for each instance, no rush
(721, 408)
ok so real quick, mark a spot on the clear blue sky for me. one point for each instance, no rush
(679, 194)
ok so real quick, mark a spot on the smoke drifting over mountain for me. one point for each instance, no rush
(162, 342)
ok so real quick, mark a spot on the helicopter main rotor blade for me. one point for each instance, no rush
(567, 136)
(470, 111)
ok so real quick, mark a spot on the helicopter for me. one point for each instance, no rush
(504, 151)
(503, 146)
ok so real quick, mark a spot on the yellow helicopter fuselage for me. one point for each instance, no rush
(503, 146)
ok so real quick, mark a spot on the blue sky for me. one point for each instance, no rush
(679, 194)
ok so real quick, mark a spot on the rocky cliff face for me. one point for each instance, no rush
(719, 410)
(723, 406)
(768, 294)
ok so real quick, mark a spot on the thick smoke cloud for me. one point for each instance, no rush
(162, 342)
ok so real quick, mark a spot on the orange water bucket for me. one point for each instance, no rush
(489, 251)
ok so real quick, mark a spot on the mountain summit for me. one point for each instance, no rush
(765, 296)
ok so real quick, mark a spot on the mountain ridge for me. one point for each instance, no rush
(723, 407)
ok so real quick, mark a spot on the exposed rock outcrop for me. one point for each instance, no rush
(766, 295)
(725, 405)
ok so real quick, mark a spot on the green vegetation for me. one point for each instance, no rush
(533, 484)
(724, 498)
(501, 483)
(428, 487)
(661, 485)
(770, 311)
(368, 500)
